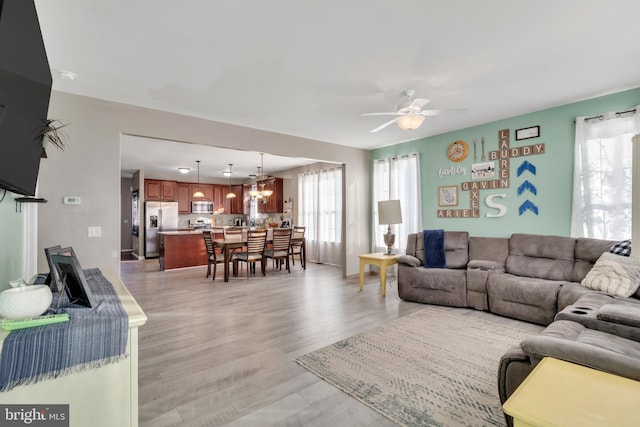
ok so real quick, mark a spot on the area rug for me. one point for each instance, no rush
(435, 367)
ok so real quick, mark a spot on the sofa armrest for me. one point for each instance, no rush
(572, 342)
(481, 264)
(623, 314)
(409, 260)
(514, 367)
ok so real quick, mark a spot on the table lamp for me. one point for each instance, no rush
(389, 212)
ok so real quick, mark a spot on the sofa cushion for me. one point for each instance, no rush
(544, 257)
(587, 253)
(614, 275)
(525, 298)
(621, 248)
(456, 247)
(489, 248)
(441, 286)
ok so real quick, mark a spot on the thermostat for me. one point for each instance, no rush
(71, 200)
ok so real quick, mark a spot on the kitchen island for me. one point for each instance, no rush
(180, 249)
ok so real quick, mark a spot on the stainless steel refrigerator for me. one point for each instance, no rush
(158, 216)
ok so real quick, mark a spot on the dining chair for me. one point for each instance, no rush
(212, 256)
(280, 247)
(297, 242)
(256, 243)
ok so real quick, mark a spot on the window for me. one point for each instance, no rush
(397, 178)
(320, 210)
(602, 178)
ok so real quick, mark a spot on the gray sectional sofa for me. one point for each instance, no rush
(535, 278)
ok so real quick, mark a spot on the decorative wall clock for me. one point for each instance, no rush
(457, 151)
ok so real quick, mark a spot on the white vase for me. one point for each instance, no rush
(25, 301)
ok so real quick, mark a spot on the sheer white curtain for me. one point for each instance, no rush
(320, 210)
(397, 178)
(602, 175)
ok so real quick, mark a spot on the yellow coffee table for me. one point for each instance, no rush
(382, 261)
(559, 393)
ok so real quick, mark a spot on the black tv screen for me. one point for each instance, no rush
(25, 88)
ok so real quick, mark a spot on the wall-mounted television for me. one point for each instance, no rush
(25, 89)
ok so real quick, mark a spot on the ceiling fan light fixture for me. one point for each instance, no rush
(410, 121)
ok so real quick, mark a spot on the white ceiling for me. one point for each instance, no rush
(160, 159)
(309, 68)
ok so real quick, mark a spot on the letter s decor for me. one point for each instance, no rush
(502, 209)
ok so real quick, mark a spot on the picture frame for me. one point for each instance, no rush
(54, 280)
(448, 195)
(73, 280)
(527, 133)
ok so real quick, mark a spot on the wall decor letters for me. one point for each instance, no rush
(502, 209)
(453, 170)
(483, 172)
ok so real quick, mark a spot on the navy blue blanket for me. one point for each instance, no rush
(434, 256)
(91, 338)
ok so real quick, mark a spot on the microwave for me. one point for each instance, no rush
(201, 207)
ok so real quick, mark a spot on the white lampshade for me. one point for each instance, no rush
(410, 121)
(389, 212)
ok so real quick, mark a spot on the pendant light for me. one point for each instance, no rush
(230, 194)
(262, 193)
(198, 194)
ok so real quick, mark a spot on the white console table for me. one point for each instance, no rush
(106, 396)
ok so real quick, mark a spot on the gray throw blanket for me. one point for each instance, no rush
(434, 255)
(91, 338)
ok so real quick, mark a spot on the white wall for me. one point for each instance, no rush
(11, 238)
(90, 168)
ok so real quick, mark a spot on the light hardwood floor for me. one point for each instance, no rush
(215, 353)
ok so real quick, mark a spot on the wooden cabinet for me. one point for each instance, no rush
(207, 190)
(184, 197)
(220, 203)
(236, 205)
(160, 191)
(275, 202)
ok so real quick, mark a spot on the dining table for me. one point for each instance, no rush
(229, 244)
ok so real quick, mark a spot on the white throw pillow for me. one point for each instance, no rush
(614, 275)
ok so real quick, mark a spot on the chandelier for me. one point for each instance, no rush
(261, 193)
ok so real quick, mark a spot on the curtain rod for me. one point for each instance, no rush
(617, 114)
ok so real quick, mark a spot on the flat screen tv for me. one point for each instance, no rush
(25, 88)
(73, 280)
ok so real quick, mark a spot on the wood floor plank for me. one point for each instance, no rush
(215, 353)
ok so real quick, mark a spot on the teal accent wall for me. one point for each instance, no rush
(553, 178)
(11, 236)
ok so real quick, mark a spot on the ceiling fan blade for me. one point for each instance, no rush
(446, 111)
(418, 103)
(379, 114)
(383, 126)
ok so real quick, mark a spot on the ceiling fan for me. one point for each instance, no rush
(410, 114)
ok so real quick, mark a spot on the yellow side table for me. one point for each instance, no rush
(559, 393)
(382, 261)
